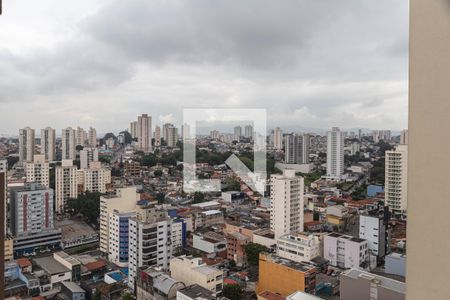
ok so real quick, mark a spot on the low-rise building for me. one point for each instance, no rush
(284, 276)
(155, 285)
(190, 270)
(195, 292)
(345, 251)
(73, 291)
(209, 242)
(236, 247)
(53, 272)
(299, 247)
(361, 285)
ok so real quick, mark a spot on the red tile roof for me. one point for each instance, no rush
(271, 296)
(23, 262)
(96, 265)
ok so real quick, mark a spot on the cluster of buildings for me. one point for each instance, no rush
(156, 242)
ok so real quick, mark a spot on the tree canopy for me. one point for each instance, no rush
(86, 204)
(252, 251)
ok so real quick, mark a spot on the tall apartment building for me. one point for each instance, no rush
(248, 131)
(87, 156)
(144, 133)
(237, 133)
(124, 200)
(404, 137)
(95, 178)
(296, 148)
(150, 237)
(92, 137)
(118, 241)
(335, 153)
(277, 138)
(185, 131)
(66, 184)
(26, 144)
(299, 247)
(192, 270)
(157, 135)
(396, 180)
(31, 209)
(133, 129)
(68, 142)
(38, 171)
(381, 135)
(81, 137)
(170, 135)
(286, 202)
(48, 142)
(31, 218)
(345, 251)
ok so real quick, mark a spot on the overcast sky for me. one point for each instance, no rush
(311, 63)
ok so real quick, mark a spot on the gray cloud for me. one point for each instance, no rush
(310, 63)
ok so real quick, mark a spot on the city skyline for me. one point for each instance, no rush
(94, 77)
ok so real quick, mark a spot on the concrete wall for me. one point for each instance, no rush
(428, 265)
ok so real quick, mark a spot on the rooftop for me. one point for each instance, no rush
(381, 281)
(73, 287)
(50, 265)
(206, 204)
(270, 296)
(196, 291)
(299, 266)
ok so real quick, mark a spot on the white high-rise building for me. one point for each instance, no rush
(48, 142)
(157, 135)
(248, 131)
(66, 184)
(286, 203)
(92, 137)
(125, 201)
(81, 137)
(144, 133)
(335, 153)
(237, 133)
(119, 243)
(277, 139)
(296, 148)
(87, 156)
(404, 137)
(133, 129)
(26, 144)
(150, 240)
(396, 180)
(38, 171)
(68, 141)
(31, 209)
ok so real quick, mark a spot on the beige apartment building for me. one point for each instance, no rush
(38, 171)
(123, 201)
(192, 270)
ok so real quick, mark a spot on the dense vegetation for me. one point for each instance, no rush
(252, 251)
(86, 204)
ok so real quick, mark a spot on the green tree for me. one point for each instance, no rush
(158, 173)
(160, 197)
(86, 204)
(232, 291)
(97, 295)
(252, 251)
(127, 296)
(199, 197)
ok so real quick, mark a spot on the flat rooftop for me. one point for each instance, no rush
(51, 265)
(196, 291)
(385, 282)
(299, 266)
